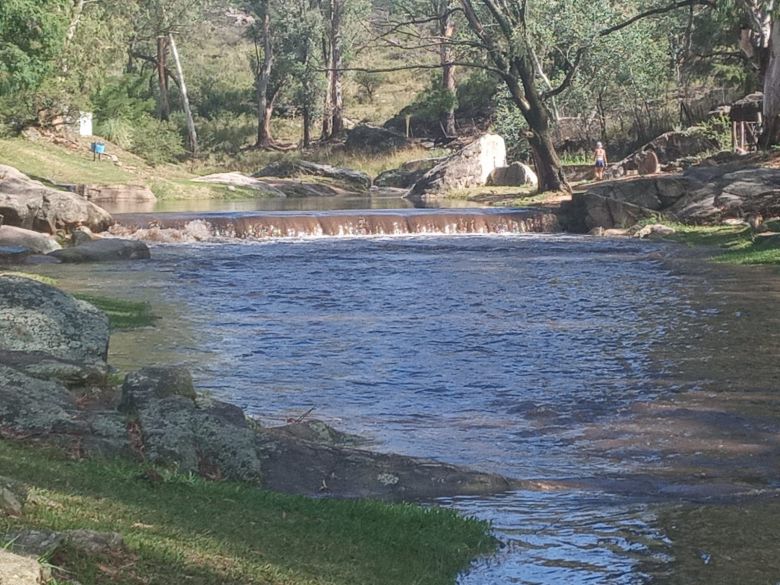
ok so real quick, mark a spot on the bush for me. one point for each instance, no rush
(157, 142)
(476, 94)
(226, 133)
(369, 83)
(116, 130)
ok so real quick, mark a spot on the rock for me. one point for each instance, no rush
(316, 431)
(31, 205)
(515, 175)
(104, 250)
(366, 139)
(36, 317)
(82, 235)
(241, 180)
(92, 542)
(654, 230)
(19, 570)
(647, 163)
(312, 469)
(115, 194)
(767, 241)
(35, 242)
(13, 496)
(40, 543)
(13, 255)
(149, 384)
(596, 211)
(469, 167)
(352, 180)
(35, 543)
(405, 176)
(210, 439)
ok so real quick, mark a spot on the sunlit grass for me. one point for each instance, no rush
(181, 529)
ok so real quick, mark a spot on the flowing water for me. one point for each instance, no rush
(636, 385)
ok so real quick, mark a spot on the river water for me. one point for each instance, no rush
(636, 385)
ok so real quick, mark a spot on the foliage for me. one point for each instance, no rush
(182, 529)
(158, 141)
(369, 83)
(435, 101)
(31, 34)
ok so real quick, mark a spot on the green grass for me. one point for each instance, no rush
(734, 244)
(47, 161)
(187, 530)
(122, 314)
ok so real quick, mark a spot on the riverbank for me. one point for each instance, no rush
(179, 528)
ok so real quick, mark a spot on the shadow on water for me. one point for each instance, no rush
(638, 384)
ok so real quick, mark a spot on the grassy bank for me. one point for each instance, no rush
(181, 529)
(732, 244)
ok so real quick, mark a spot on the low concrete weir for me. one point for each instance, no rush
(188, 227)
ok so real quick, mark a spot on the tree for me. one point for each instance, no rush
(505, 32)
(340, 32)
(32, 32)
(764, 24)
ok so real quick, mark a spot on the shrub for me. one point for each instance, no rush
(157, 142)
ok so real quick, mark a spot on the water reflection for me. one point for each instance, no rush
(392, 199)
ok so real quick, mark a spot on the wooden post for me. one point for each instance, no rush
(185, 101)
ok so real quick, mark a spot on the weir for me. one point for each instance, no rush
(189, 227)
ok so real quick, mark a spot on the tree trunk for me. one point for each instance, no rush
(548, 165)
(263, 79)
(162, 78)
(306, 114)
(771, 134)
(333, 114)
(448, 83)
(185, 101)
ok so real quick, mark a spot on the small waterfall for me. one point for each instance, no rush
(188, 227)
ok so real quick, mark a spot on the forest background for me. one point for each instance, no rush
(219, 80)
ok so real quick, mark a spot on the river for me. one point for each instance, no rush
(634, 382)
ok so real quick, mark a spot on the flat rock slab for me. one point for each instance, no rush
(349, 179)
(104, 250)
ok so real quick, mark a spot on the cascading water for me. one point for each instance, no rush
(188, 227)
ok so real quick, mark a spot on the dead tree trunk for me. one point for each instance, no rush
(192, 135)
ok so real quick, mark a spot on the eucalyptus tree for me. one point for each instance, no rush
(764, 43)
(343, 25)
(510, 33)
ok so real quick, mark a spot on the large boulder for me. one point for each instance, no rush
(515, 175)
(701, 195)
(367, 139)
(104, 250)
(352, 180)
(405, 176)
(39, 318)
(32, 205)
(469, 167)
(35, 242)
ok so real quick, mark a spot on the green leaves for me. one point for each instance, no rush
(31, 34)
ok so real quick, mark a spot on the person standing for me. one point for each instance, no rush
(601, 161)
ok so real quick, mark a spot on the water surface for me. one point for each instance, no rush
(637, 394)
